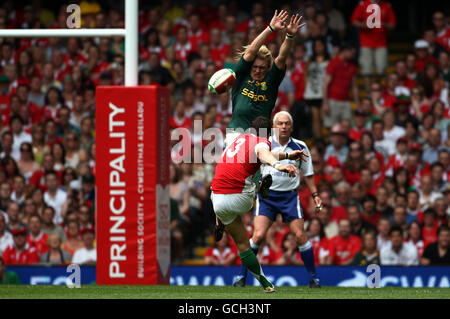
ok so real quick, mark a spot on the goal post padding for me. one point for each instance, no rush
(132, 180)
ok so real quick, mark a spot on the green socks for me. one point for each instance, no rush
(251, 262)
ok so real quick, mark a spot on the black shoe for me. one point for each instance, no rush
(218, 230)
(264, 185)
(239, 281)
(314, 283)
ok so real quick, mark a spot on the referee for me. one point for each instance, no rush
(283, 198)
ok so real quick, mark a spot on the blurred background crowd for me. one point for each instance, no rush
(382, 169)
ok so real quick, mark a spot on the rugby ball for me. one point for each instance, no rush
(221, 81)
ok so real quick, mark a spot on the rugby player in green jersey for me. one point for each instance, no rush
(259, 74)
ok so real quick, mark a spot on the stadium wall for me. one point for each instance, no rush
(280, 275)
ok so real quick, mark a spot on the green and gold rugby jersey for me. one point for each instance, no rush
(252, 98)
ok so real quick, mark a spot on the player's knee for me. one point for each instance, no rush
(258, 237)
(300, 236)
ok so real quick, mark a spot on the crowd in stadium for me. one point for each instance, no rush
(380, 150)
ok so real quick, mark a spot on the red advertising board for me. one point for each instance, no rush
(132, 176)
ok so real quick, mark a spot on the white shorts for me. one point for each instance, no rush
(229, 206)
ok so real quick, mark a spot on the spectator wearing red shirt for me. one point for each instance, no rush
(276, 234)
(389, 93)
(296, 71)
(344, 246)
(53, 102)
(221, 21)
(442, 30)
(182, 44)
(179, 118)
(221, 254)
(376, 167)
(336, 212)
(266, 255)
(34, 112)
(197, 34)
(219, 50)
(430, 226)
(398, 159)
(60, 68)
(151, 45)
(257, 10)
(403, 77)
(94, 65)
(20, 253)
(354, 162)
(423, 57)
(319, 241)
(373, 33)
(369, 213)
(289, 254)
(340, 77)
(73, 56)
(415, 237)
(359, 120)
(36, 237)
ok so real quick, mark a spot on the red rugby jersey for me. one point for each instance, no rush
(238, 164)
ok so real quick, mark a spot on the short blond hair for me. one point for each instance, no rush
(263, 53)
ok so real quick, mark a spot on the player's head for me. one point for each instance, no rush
(283, 123)
(261, 126)
(261, 64)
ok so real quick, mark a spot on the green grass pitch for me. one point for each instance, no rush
(213, 292)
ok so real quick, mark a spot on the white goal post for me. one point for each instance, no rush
(130, 33)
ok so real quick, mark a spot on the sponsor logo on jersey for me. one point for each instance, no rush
(253, 96)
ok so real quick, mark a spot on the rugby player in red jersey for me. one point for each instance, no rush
(233, 188)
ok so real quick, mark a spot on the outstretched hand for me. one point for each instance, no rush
(288, 168)
(294, 24)
(298, 155)
(278, 21)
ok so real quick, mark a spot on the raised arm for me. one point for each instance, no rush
(277, 23)
(291, 30)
